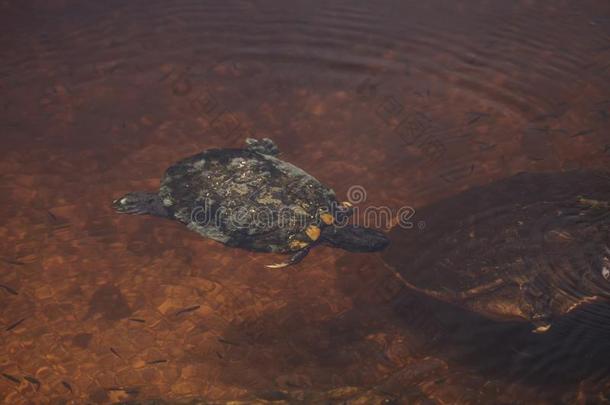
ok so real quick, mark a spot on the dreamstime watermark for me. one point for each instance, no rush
(380, 216)
(256, 216)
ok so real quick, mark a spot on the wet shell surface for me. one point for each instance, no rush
(245, 198)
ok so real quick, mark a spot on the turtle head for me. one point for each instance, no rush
(354, 238)
(140, 202)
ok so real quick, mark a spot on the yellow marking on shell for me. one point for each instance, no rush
(313, 232)
(326, 218)
(298, 244)
(346, 204)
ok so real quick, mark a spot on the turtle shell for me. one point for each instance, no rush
(526, 247)
(245, 198)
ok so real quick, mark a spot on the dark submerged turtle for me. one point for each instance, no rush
(529, 247)
(249, 198)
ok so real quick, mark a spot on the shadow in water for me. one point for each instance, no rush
(285, 346)
(571, 351)
(289, 350)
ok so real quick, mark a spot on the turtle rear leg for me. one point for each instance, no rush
(296, 258)
(265, 146)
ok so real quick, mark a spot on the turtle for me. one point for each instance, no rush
(249, 198)
(532, 247)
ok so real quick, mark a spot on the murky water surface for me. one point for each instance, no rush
(413, 101)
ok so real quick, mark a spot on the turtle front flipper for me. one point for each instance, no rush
(297, 257)
(265, 146)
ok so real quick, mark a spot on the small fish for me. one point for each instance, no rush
(476, 115)
(14, 325)
(156, 361)
(546, 129)
(583, 132)
(166, 75)
(483, 146)
(545, 116)
(473, 120)
(115, 353)
(137, 320)
(11, 378)
(33, 381)
(8, 289)
(52, 216)
(221, 340)
(14, 262)
(68, 386)
(189, 309)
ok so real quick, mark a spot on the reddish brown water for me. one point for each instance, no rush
(414, 101)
